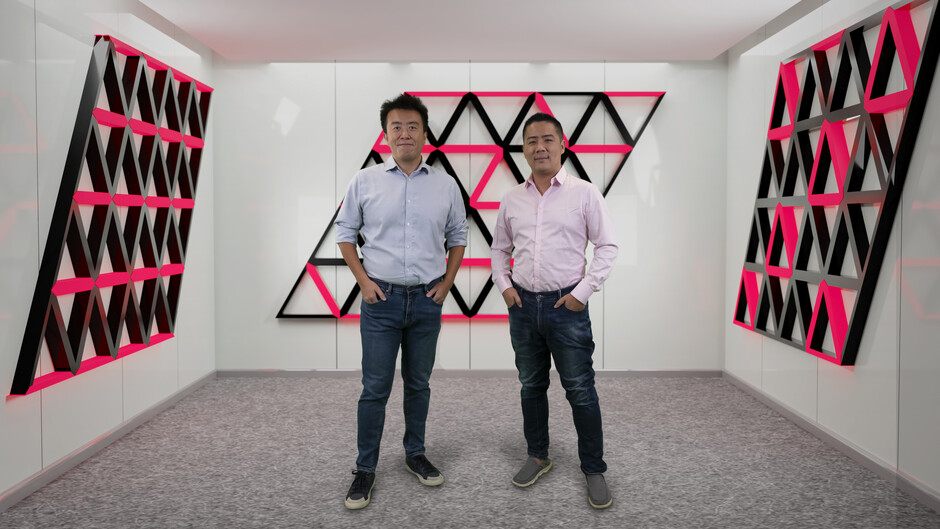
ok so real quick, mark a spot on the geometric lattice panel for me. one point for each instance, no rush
(844, 120)
(502, 146)
(110, 277)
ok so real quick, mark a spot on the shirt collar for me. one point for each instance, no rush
(391, 165)
(558, 179)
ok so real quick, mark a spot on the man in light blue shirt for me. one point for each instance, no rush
(408, 213)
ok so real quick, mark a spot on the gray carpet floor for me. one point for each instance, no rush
(278, 452)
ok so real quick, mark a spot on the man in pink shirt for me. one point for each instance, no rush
(546, 223)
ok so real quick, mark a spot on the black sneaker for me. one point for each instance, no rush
(360, 492)
(426, 472)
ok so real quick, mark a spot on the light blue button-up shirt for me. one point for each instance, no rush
(408, 221)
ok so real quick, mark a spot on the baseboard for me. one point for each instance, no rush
(889, 473)
(458, 373)
(50, 473)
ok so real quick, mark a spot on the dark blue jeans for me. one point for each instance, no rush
(409, 319)
(539, 333)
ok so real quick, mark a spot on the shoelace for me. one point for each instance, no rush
(359, 484)
(423, 466)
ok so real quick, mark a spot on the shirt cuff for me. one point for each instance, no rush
(582, 292)
(502, 283)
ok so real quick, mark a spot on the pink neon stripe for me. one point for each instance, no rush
(155, 64)
(475, 202)
(55, 377)
(502, 94)
(108, 118)
(780, 133)
(143, 274)
(72, 285)
(749, 280)
(162, 337)
(171, 269)
(202, 87)
(472, 149)
(169, 135)
(601, 148)
(113, 278)
(787, 220)
(129, 349)
(838, 322)
(908, 51)
(349, 317)
(635, 94)
(829, 42)
(43, 382)
(122, 47)
(92, 363)
(833, 135)
(128, 200)
(325, 292)
(436, 94)
(181, 77)
(791, 91)
(193, 142)
(158, 202)
(543, 106)
(92, 198)
(142, 128)
(183, 203)
(475, 261)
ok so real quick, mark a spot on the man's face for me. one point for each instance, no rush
(543, 148)
(405, 135)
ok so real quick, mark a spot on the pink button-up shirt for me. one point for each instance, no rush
(549, 234)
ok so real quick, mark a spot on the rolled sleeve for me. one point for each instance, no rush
(349, 219)
(455, 232)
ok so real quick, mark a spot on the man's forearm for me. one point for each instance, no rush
(351, 256)
(454, 258)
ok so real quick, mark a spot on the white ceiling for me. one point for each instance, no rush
(476, 30)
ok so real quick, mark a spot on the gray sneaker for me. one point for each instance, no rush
(598, 493)
(531, 471)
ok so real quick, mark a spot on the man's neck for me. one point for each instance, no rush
(543, 181)
(408, 167)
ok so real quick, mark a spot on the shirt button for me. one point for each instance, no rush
(409, 246)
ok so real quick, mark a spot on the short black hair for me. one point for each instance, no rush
(404, 102)
(543, 117)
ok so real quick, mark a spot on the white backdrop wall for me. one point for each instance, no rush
(47, 47)
(290, 137)
(886, 405)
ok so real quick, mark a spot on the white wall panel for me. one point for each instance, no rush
(274, 130)
(860, 403)
(675, 176)
(919, 214)
(81, 409)
(149, 376)
(20, 434)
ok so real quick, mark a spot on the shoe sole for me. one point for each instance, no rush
(355, 505)
(430, 482)
(533, 480)
(598, 506)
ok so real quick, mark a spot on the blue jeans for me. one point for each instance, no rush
(539, 333)
(410, 319)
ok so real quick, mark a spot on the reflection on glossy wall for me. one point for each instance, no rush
(46, 52)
